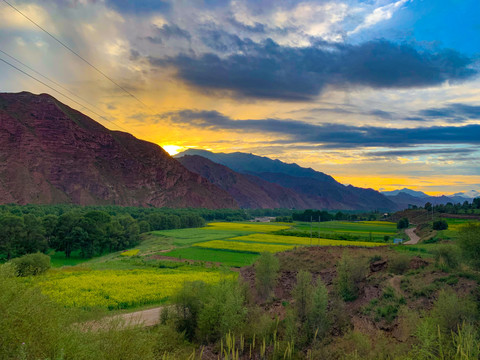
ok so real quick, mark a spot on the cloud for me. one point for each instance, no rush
(269, 70)
(456, 112)
(379, 14)
(166, 32)
(142, 6)
(421, 152)
(330, 135)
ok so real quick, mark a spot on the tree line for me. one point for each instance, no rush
(92, 230)
(451, 208)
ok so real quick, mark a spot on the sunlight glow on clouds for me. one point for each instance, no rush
(303, 81)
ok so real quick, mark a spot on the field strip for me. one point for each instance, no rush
(243, 246)
(297, 240)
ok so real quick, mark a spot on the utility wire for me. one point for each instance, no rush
(52, 81)
(77, 54)
(68, 97)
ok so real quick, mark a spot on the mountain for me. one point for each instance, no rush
(418, 194)
(248, 190)
(51, 153)
(318, 190)
(471, 194)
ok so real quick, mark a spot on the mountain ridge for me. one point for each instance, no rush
(52, 153)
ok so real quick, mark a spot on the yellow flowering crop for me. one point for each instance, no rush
(243, 246)
(297, 240)
(257, 227)
(118, 289)
(131, 252)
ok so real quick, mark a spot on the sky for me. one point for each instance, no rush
(380, 94)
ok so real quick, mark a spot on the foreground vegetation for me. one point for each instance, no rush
(290, 299)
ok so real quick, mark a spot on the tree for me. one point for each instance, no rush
(12, 236)
(469, 243)
(403, 223)
(318, 320)
(302, 293)
(428, 206)
(266, 272)
(349, 273)
(440, 225)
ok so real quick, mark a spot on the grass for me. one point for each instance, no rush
(251, 227)
(228, 258)
(244, 246)
(364, 230)
(58, 259)
(182, 237)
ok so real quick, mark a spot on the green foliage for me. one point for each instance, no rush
(349, 273)
(447, 257)
(469, 243)
(450, 311)
(398, 263)
(318, 318)
(31, 264)
(206, 312)
(266, 273)
(403, 223)
(303, 295)
(228, 258)
(33, 327)
(440, 225)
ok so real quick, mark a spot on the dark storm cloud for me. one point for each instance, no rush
(166, 32)
(222, 41)
(269, 70)
(456, 112)
(422, 152)
(331, 135)
(141, 6)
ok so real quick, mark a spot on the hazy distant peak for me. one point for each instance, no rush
(418, 194)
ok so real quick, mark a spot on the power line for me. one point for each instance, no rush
(77, 54)
(68, 97)
(52, 81)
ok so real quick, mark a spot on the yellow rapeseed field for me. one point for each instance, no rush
(118, 289)
(256, 227)
(131, 252)
(297, 240)
(243, 246)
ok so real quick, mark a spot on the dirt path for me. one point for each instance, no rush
(414, 238)
(395, 282)
(142, 318)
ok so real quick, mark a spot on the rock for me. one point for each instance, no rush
(378, 265)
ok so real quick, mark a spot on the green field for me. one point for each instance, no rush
(228, 258)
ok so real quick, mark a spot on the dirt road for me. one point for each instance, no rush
(414, 238)
(143, 318)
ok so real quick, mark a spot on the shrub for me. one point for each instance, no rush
(450, 311)
(440, 225)
(349, 273)
(266, 272)
(398, 264)
(403, 223)
(469, 243)
(447, 257)
(31, 264)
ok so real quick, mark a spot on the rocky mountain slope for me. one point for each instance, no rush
(51, 153)
(248, 190)
(318, 190)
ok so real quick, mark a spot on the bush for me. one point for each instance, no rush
(440, 225)
(450, 311)
(469, 243)
(31, 264)
(447, 257)
(266, 272)
(399, 264)
(403, 223)
(349, 273)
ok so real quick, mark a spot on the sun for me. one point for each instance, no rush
(172, 149)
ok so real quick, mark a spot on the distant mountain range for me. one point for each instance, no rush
(405, 197)
(53, 154)
(312, 189)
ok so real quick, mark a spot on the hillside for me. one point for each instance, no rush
(248, 190)
(52, 154)
(318, 190)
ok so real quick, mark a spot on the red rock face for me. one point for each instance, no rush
(50, 153)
